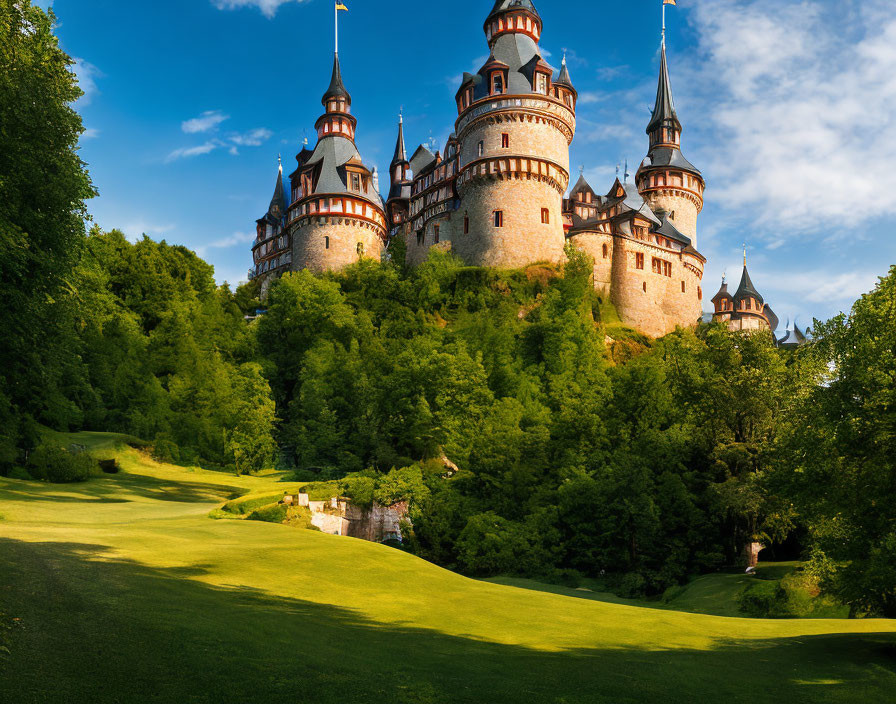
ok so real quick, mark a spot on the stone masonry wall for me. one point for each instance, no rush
(651, 303)
(417, 252)
(685, 212)
(527, 139)
(523, 239)
(310, 245)
(593, 243)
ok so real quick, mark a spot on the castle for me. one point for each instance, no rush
(495, 194)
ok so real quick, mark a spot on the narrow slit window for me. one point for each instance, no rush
(505, 141)
(499, 218)
(545, 216)
(326, 242)
(466, 224)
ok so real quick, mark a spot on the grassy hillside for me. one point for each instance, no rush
(126, 591)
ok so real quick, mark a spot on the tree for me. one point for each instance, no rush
(840, 468)
(43, 189)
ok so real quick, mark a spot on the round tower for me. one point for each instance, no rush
(515, 124)
(669, 183)
(337, 216)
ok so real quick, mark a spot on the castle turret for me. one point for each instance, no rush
(669, 183)
(515, 125)
(271, 254)
(337, 215)
(400, 178)
(746, 309)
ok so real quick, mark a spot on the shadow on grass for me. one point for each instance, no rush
(101, 631)
(113, 489)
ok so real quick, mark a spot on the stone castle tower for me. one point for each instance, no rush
(494, 194)
(514, 129)
(669, 183)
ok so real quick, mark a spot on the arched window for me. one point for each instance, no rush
(545, 216)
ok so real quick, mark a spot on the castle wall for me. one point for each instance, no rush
(650, 302)
(523, 239)
(312, 251)
(593, 244)
(418, 250)
(685, 210)
(537, 138)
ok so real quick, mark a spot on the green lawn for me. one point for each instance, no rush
(126, 591)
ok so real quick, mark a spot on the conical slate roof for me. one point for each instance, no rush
(581, 185)
(723, 292)
(664, 109)
(747, 288)
(337, 87)
(563, 79)
(401, 154)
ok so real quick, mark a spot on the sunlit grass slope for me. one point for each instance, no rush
(127, 592)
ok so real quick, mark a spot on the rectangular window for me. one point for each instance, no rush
(481, 148)
(497, 84)
(545, 216)
(505, 141)
(542, 84)
(657, 266)
(683, 290)
(639, 261)
(667, 269)
(499, 218)
(356, 182)
(466, 225)
(420, 239)
(435, 231)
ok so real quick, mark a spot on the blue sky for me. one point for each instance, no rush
(789, 108)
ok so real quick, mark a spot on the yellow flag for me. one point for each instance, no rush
(340, 6)
(669, 2)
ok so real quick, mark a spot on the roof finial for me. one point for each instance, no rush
(582, 170)
(745, 254)
(665, 2)
(626, 172)
(280, 162)
(724, 277)
(401, 115)
(617, 169)
(563, 63)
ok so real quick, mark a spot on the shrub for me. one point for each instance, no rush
(164, 449)
(764, 599)
(59, 466)
(272, 513)
(633, 585)
(247, 505)
(19, 473)
(490, 545)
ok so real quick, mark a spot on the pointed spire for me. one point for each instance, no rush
(664, 109)
(564, 78)
(337, 87)
(401, 154)
(277, 208)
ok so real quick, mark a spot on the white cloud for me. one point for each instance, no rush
(798, 101)
(189, 152)
(206, 122)
(90, 133)
(237, 238)
(254, 138)
(268, 7)
(87, 74)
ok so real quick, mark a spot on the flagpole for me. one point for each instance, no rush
(336, 23)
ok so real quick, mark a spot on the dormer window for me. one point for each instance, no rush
(356, 182)
(497, 84)
(541, 84)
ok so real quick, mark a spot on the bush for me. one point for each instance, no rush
(247, 505)
(764, 599)
(164, 449)
(19, 473)
(633, 586)
(490, 545)
(59, 466)
(273, 513)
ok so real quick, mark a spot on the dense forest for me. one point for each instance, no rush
(581, 448)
